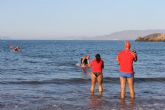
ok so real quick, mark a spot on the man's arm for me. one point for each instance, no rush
(135, 58)
(135, 55)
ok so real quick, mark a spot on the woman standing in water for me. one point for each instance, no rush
(97, 66)
(125, 59)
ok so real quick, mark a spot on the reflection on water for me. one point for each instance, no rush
(127, 104)
(96, 101)
(99, 102)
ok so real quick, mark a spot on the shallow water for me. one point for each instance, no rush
(44, 76)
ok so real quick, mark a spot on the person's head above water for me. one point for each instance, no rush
(88, 56)
(98, 57)
(127, 45)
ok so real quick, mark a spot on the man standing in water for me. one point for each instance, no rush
(97, 66)
(125, 59)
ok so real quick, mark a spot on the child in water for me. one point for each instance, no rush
(85, 63)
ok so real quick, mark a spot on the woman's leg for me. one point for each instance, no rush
(100, 81)
(131, 87)
(122, 87)
(93, 83)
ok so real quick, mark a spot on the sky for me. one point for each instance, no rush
(62, 19)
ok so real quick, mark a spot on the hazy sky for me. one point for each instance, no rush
(53, 19)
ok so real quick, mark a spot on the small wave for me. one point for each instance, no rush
(79, 81)
(52, 81)
(28, 61)
(137, 80)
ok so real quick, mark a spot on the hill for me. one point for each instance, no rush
(156, 37)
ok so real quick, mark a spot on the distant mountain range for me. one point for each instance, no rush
(128, 34)
(121, 35)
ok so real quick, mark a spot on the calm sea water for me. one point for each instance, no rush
(43, 76)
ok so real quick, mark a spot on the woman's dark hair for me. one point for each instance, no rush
(98, 57)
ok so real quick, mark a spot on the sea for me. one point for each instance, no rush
(44, 76)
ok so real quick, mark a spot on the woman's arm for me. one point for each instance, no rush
(117, 59)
